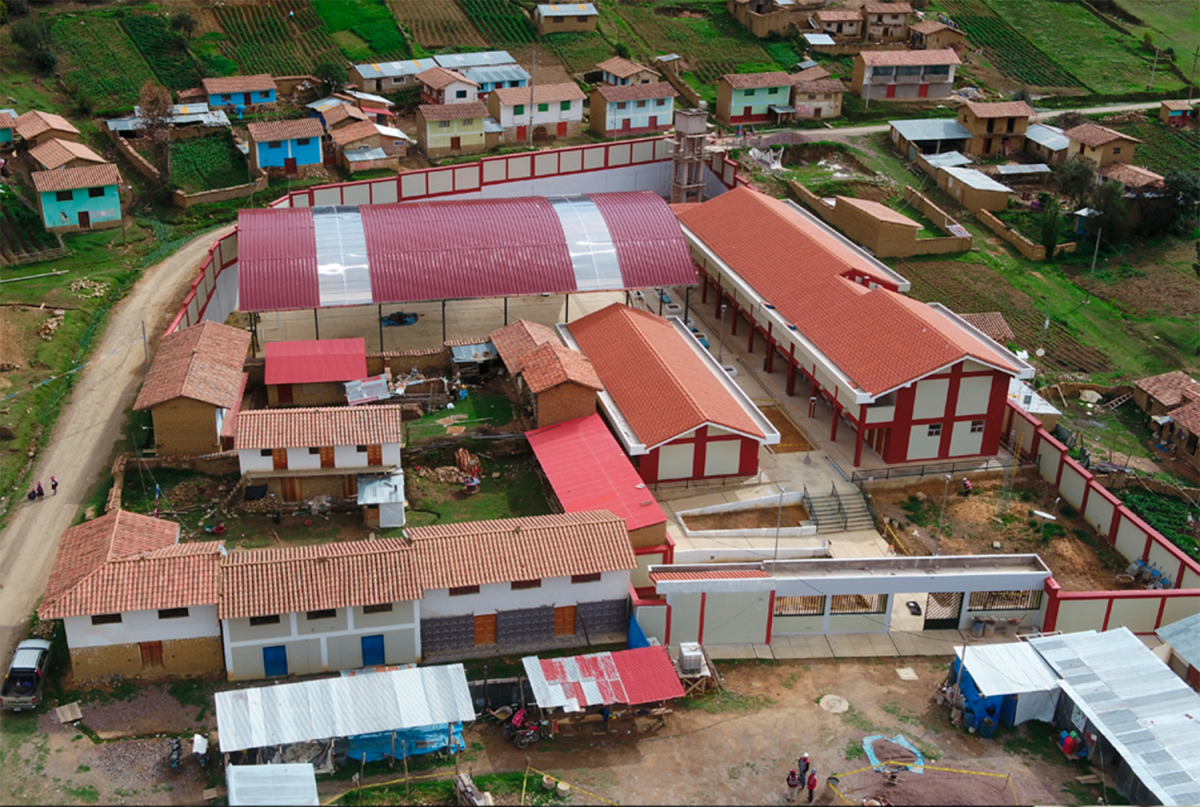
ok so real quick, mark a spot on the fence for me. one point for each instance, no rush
(186, 200)
(1032, 251)
(943, 220)
(862, 478)
(217, 279)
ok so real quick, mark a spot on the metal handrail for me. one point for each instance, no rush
(860, 478)
(808, 507)
(841, 510)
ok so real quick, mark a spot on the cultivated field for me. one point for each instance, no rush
(364, 29)
(21, 230)
(1176, 24)
(165, 51)
(1009, 51)
(500, 21)
(1163, 148)
(100, 60)
(437, 24)
(263, 39)
(579, 52)
(207, 163)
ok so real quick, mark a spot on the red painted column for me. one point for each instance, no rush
(700, 630)
(858, 438)
(837, 415)
(1116, 525)
(734, 311)
(1052, 590)
(791, 378)
(750, 346)
(771, 617)
(704, 281)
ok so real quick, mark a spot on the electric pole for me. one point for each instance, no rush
(1092, 278)
(1153, 69)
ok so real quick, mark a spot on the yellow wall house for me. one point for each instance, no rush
(194, 388)
(446, 129)
(565, 17)
(996, 128)
(1099, 145)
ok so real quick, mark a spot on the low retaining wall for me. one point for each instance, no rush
(811, 201)
(139, 162)
(186, 200)
(682, 87)
(766, 503)
(1032, 251)
(937, 246)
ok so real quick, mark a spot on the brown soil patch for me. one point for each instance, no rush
(754, 518)
(933, 787)
(888, 751)
(815, 152)
(1148, 282)
(791, 439)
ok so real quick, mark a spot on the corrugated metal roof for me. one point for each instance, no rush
(476, 352)
(408, 67)
(632, 677)
(314, 361)
(976, 179)
(651, 247)
(947, 159)
(490, 74)
(568, 9)
(343, 707)
(588, 471)
(277, 259)
(1033, 168)
(293, 783)
(1184, 638)
(931, 129)
(819, 39)
(360, 391)
(1049, 136)
(458, 61)
(492, 125)
(364, 155)
(1146, 712)
(386, 489)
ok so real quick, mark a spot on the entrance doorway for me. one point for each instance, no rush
(943, 609)
(289, 166)
(85, 220)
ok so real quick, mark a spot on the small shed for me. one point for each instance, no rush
(973, 189)
(268, 785)
(1177, 113)
(382, 498)
(1183, 637)
(565, 18)
(313, 372)
(1010, 683)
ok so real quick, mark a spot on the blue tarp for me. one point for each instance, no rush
(637, 637)
(869, 747)
(410, 742)
(977, 707)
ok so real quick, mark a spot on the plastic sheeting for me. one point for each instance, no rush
(593, 254)
(1015, 669)
(410, 742)
(272, 784)
(342, 272)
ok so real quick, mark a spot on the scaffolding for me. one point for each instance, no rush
(687, 155)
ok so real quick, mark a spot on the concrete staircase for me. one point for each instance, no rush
(829, 519)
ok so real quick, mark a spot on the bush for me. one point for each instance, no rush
(84, 103)
(46, 60)
(17, 8)
(622, 50)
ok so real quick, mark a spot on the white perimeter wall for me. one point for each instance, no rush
(554, 591)
(142, 626)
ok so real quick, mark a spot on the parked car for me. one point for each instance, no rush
(26, 676)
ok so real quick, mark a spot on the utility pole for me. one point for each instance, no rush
(1153, 69)
(1192, 83)
(532, 78)
(721, 340)
(1092, 277)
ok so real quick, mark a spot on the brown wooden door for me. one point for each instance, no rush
(85, 220)
(327, 460)
(564, 621)
(279, 459)
(292, 491)
(485, 629)
(455, 143)
(349, 486)
(152, 655)
(374, 455)
(289, 166)
(285, 394)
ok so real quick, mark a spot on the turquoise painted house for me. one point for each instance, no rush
(8, 119)
(288, 144)
(232, 91)
(79, 198)
(754, 98)
(632, 109)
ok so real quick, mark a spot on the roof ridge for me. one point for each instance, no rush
(679, 385)
(258, 557)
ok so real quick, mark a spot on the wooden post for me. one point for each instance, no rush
(404, 753)
(392, 761)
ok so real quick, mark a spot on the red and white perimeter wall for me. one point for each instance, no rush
(603, 167)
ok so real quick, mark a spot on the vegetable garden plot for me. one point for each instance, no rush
(207, 163)
(435, 24)
(101, 61)
(1013, 54)
(502, 22)
(165, 51)
(1163, 149)
(264, 39)
(579, 51)
(21, 230)
(369, 20)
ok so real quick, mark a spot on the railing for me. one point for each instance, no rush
(808, 507)
(841, 510)
(860, 478)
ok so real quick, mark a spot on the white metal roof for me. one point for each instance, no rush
(975, 179)
(1049, 136)
(292, 784)
(343, 707)
(1184, 638)
(1008, 669)
(388, 489)
(567, 10)
(458, 61)
(819, 39)
(408, 67)
(931, 129)
(947, 159)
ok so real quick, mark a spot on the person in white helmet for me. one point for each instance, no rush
(802, 767)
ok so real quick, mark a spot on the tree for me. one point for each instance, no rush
(17, 8)
(31, 35)
(1183, 192)
(154, 105)
(622, 50)
(332, 77)
(184, 23)
(1112, 216)
(1051, 222)
(1020, 95)
(1076, 180)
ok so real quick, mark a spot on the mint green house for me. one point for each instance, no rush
(8, 119)
(79, 198)
(754, 98)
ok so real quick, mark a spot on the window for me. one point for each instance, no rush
(314, 450)
(444, 124)
(828, 95)
(274, 144)
(543, 107)
(172, 613)
(581, 20)
(517, 585)
(935, 430)
(772, 91)
(661, 102)
(255, 621)
(799, 606)
(564, 106)
(361, 449)
(64, 196)
(908, 70)
(264, 94)
(468, 121)
(558, 19)
(106, 619)
(515, 84)
(460, 94)
(1116, 151)
(748, 94)
(266, 452)
(325, 613)
(96, 193)
(937, 70)
(882, 71)
(857, 604)
(303, 141)
(220, 99)
(622, 104)
(464, 590)
(519, 109)
(976, 427)
(641, 104)
(586, 578)
(382, 608)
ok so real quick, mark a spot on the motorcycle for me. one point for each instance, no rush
(522, 731)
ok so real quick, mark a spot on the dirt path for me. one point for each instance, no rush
(83, 437)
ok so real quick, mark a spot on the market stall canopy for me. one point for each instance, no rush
(632, 677)
(1014, 669)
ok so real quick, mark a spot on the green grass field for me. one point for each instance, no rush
(206, 163)
(1174, 23)
(99, 59)
(1005, 47)
(1163, 148)
(370, 22)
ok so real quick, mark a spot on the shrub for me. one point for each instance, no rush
(622, 50)
(84, 103)
(46, 60)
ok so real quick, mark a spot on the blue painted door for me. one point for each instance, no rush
(372, 647)
(275, 661)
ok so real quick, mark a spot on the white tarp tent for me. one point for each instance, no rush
(272, 784)
(1014, 669)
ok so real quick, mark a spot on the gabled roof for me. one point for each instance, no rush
(991, 323)
(567, 9)
(260, 82)
(471, 109)
(1184, 638)
(615, 93)
(838, 15)
(68, 179)
(315, 578)
(1188, 416)
(1170, 389)
(823, 85)
(477, 553)
(750, 81)
(622, 68)
(319, 426)
(7, 121)
(203, 363)
(886, 58)
(654, 376)
(542, 94)
(285, 130)
(549, 365)
(1179, 106)
(1046, 135)
(811, 74)
(34, 122)
(515, 340)
(55, 153)
(879, 211)
(1131, 176)
(1000, 109)
(439, 78)
(975, 179)
(315, 361)
(1092, 134)
(342, 111)
(351, 133)
(887, 8)
(928, 27)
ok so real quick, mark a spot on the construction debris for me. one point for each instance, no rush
(48, 327)
(88, 288)
(446, 473)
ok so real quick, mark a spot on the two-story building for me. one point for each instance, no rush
(904, 74)
(55, 154)
(886, 22)
(79, 198)
(133, 600)
(289, 145)
(839, 23)
(558, 18)
(753, 97)
(445, 129)
(388, 76)
(301, 453)
(620, 72)
(313, 372)
(1099, 145)
(933, 35)
(818, 99)
(764, 18)
(996, 128)
(234, 91)
(552, 110)
(35, 128)
(497, 77)
(615, 111)
(442, 86)
(194, 388)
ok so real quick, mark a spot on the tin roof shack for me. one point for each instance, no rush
(561, 383)
(997, 128)
(1047, 143)
(564, 17)
(1177, 113)
(933, 35)
(1183, 637)
(313, 372)
(973, 190)
(876, 226)
(184, 120)
(267, 785)
(133, 600)
(1023, 396)
(1136, 717)
(194, 389)
(1099, 145)
(928, 136)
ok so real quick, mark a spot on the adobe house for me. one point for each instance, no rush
(194, 388)
(55, 154)
(876, 226)
(1172, 400)
(557, 18)
(1099, 145)
(817, 99)
(1047, 143)
(766, 17)
(973, 189)
(442, 86)
(841, 24)
(996, 128)
(1177, 113)
(313, 372)
(561, 383)
(933, 35)
(35, 128)
(620, 72)
(886, 22)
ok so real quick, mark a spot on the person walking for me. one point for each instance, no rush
(793, 784)
(812, 784)
(41, 491)
(802, 767)
(53, 486)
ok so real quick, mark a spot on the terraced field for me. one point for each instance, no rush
(100, 59)
(1008, 49)
(580, 51)
(500, 22)
(21, 232)
(165, 51)
(264, 39)
(437, 23)
(1163, 149)
(365, 29)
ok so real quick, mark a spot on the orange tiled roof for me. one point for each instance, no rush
(622, 68)
(1179, 106)
(55, 153)
(513, 341)
(1170, 389)
(1094, 135)
(634, 92)
(829, 85)
(284, 130)
(471, 109)
(320, 426)
(542, 94)
(1188, 416)
(203, 363)
(33, 123)
(1130, 176)
(341, 112)
(68, 179)
(551, 364)
(838, 15)
(439, 78)
(7, 121)
(993, 324)
(750, 81)
(1000, 109)
(885, 58)
(260, 82)
(661, 386)
(930, 27)
(359, 130)
(476, 553)
(811, 74)
(887, 8)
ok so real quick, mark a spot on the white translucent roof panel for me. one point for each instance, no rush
(341, 256)
(593, 254)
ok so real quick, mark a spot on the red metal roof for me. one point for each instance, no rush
(651, 249)
(277, 259)
(316, 361)
(648, 675)
(632, 677)
(588, 471)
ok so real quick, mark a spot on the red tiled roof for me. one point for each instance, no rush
(802, 271)
(359, 130)
(229, 422)
(738, 574)
(34, 123)
(1091, 134)
(1170, 389)
(1188, 416)
(439, 78)
(260, 82)
(588, 470)
(615, 93)
(316, 361)
(1000, 109)
(621, 68)
(319, 426)
(54, 153)
(1131, 176)
(263, 582)
(476, 553)
(68, 179)
(203, 363)
(930, 27)
(340, 112)
(284, 130)
(991, 323)
(811, 74)
(7, 121)
(654, 376)
(542, 94)
(885, 58)
(513, 341)
(750, 81)
(550, 365)
(879, 211)
(887, 8)
(472, 109)
(838, 15)
(829, 85)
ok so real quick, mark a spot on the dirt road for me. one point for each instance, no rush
(82, 439)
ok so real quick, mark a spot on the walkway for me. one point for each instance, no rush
(896, 644)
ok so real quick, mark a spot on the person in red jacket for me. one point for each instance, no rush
(812, 784)
(793, 784)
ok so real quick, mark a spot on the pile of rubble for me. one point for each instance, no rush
(88, 288)
(264, 506)
(446, 473)
(1128, 116)
(48, 327)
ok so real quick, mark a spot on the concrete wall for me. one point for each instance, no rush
(142, 626)
(736, 617)
(251, 460)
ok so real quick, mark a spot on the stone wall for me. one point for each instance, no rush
(186, 200)
(139, 162)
